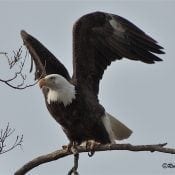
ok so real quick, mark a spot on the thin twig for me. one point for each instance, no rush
(4, 134)
(17, 59)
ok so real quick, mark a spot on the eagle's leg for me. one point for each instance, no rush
(76, 158)
(90, 145)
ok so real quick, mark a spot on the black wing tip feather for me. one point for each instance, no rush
(149, 52)
(41, 55)
(151, 61)
(26, 37)
(24, 34)
(149, 57)
(145, 46)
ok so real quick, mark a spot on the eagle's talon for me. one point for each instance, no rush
(73, 172)
(90, 145)
(91, 153)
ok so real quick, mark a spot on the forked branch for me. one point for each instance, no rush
(17, 61)
(4, 135)
(63, 153)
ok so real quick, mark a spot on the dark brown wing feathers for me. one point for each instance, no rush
(107, 38)
(98, 39)
(45, 62)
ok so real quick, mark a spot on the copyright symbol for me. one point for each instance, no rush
(164, 165)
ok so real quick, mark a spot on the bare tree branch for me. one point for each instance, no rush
(4, 135)
(17, 60)
(63, 153)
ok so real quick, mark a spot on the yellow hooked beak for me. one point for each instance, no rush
(42, 82)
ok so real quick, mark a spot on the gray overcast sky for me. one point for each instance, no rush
(142, 96)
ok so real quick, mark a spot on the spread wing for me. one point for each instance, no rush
(45, 62)
(100, 38)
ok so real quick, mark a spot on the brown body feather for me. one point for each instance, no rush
(79, 125)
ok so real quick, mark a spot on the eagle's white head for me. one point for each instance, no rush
(60, 90)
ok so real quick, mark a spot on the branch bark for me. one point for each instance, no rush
(63, 153)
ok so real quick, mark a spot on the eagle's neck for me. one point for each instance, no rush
(63, 95)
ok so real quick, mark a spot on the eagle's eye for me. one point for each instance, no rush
(52, 78)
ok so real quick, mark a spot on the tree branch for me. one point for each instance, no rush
(4, 134)
(63, 153)
(18, 60)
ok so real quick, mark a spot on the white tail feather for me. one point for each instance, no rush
(115, 129)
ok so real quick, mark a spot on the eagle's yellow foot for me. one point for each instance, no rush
(90, 145)
(66, 147)
(71, 147)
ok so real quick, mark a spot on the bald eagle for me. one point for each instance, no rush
(98, 39)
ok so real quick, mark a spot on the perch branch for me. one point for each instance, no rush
(63, 153)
